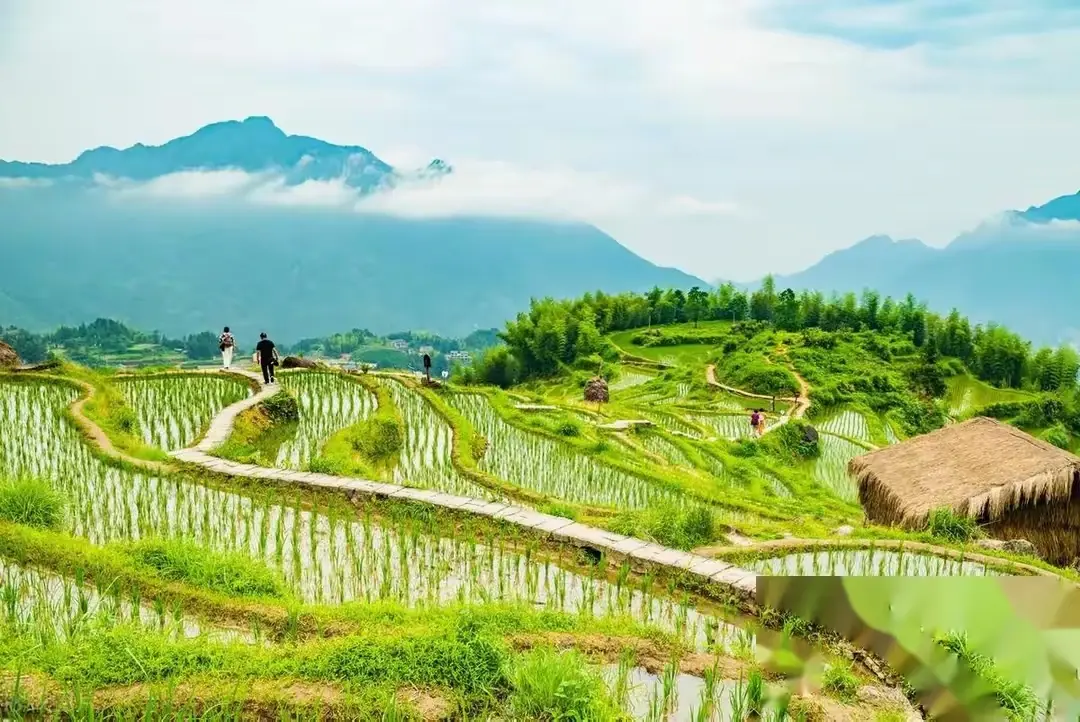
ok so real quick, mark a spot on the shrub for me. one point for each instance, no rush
(225, 572)
(1057, 435)
(282, 407)
(496, 367)
(377, 438)
(551, 685)
(568, 427)
(946, 524)
(793, 441)
(32, 502)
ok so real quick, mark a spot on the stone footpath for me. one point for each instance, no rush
(741, 581)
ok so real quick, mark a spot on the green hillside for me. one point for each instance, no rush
(292, 594)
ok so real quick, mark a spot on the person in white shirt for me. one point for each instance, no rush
(227, 345)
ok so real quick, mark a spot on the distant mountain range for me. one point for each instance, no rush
(74, 249)
(1021, 270)
(254, 145)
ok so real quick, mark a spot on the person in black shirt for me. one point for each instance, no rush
(267, 357)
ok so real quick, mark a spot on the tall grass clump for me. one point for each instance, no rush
(946, 524)
(669, 525)
(1017, 699)
(32, 502)
(840, 681)
(229, 573)
(551, 685)
(282, 407)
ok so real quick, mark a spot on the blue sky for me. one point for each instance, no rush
(726, 138)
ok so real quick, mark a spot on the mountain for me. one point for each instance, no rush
(1018, 270)
(254, 145)
(76, 248)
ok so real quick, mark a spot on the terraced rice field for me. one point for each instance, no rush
(546, 466)
(830, 468)
(629, 379)
(669, 451)
(867, 562)
(849, 424)
(671, 422)
(425, 460)
(326, 555)
(174, 410)
(328, 403)
(53, 608)
(967, 394)
(891, 436)
(727, 426)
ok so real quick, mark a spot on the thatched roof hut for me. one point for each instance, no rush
(1014, 484)
(8, 357)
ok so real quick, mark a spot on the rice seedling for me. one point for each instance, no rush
(174, 410)
(52, 608)
(726, 426)
(867, 562)
(830, 468)
(328, 403)
(324, 555)
(629, 379)
(540, 464)
(426, 456)
(849, 424)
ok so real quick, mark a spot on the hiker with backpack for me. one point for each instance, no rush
(227, 344)
(268, 357)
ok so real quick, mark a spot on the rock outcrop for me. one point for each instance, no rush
(295, 362)
(1014, 546)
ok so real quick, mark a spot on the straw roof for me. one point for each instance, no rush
(8, 357)
(981, 468)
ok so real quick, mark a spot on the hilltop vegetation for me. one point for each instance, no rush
(896, 359)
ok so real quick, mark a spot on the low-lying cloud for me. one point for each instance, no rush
(473, 189)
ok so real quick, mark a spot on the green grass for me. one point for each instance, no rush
(232, 574)
(946, 524)
(553, 685)
(691, 354)
(32, 502)
(840, 681)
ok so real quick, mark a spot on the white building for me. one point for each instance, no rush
(399, 344)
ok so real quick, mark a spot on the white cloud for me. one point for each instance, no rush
(186, 184)
(611, 109)
(474, 188)
(12, 183)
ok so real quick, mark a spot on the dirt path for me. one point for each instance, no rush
(100, 439)
(800, 405)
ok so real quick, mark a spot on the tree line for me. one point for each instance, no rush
(553, 334)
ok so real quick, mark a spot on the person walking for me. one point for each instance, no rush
(755, 421)
(227, 344)
(268, 357)
(761, 423)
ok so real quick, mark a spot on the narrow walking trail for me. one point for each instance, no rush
(741, 582)
(800, 405)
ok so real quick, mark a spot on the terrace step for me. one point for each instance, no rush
(709, 570)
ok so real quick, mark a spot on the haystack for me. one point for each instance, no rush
(1015, 485)
(8, 358)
